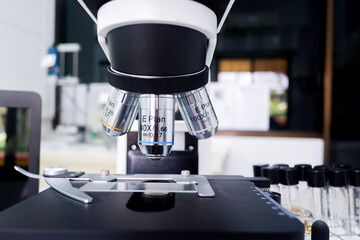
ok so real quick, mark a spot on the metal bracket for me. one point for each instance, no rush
(105, 182)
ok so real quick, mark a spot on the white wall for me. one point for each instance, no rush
(237, 155)
(26, 32)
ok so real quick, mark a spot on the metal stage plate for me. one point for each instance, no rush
(139, 187)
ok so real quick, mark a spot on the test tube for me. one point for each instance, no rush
(316, 180)
(272, 173)
(288, 187)
(304, 200)
(339, 211)
(198, 113)
(354, 194)
(156, 125)
(119, 112)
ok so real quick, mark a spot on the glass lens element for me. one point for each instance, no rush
(119, 112)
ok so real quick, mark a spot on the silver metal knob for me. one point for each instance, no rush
(185, 173)
(55, 170)
(105, 172)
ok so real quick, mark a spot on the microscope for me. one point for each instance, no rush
(160, 53)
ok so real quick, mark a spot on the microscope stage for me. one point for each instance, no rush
(239, 210)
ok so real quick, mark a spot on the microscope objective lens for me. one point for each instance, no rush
(198, 113)
(119, 112)
(156, 125)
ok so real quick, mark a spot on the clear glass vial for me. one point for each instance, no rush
(289, 187)
(354, 194)
(272, 173)
(304, 201)
(339, 210)
(318, 196)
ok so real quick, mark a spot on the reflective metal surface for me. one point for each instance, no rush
(156, 125)
(198, 113)
(146, 187)
(119, 112)
(147, 183)
(204, 189)
(55, 170)
(63, 186)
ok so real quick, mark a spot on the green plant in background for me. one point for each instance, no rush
(2, 141)
(2, 128)
(22, 129)
(278, 105)
(278, 108)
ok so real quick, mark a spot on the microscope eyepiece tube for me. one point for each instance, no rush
(198, 113)
(119, 112)
(156, 125)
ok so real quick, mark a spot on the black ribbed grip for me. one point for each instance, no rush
(157, 49)
(160, 85)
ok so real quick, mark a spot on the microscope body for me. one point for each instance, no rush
(160, 52)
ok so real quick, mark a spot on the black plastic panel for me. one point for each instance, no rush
(171, 164)
(238, 211)
(157, 50)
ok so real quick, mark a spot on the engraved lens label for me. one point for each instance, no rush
(154, 127)
(119, 112)
(198, 113)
